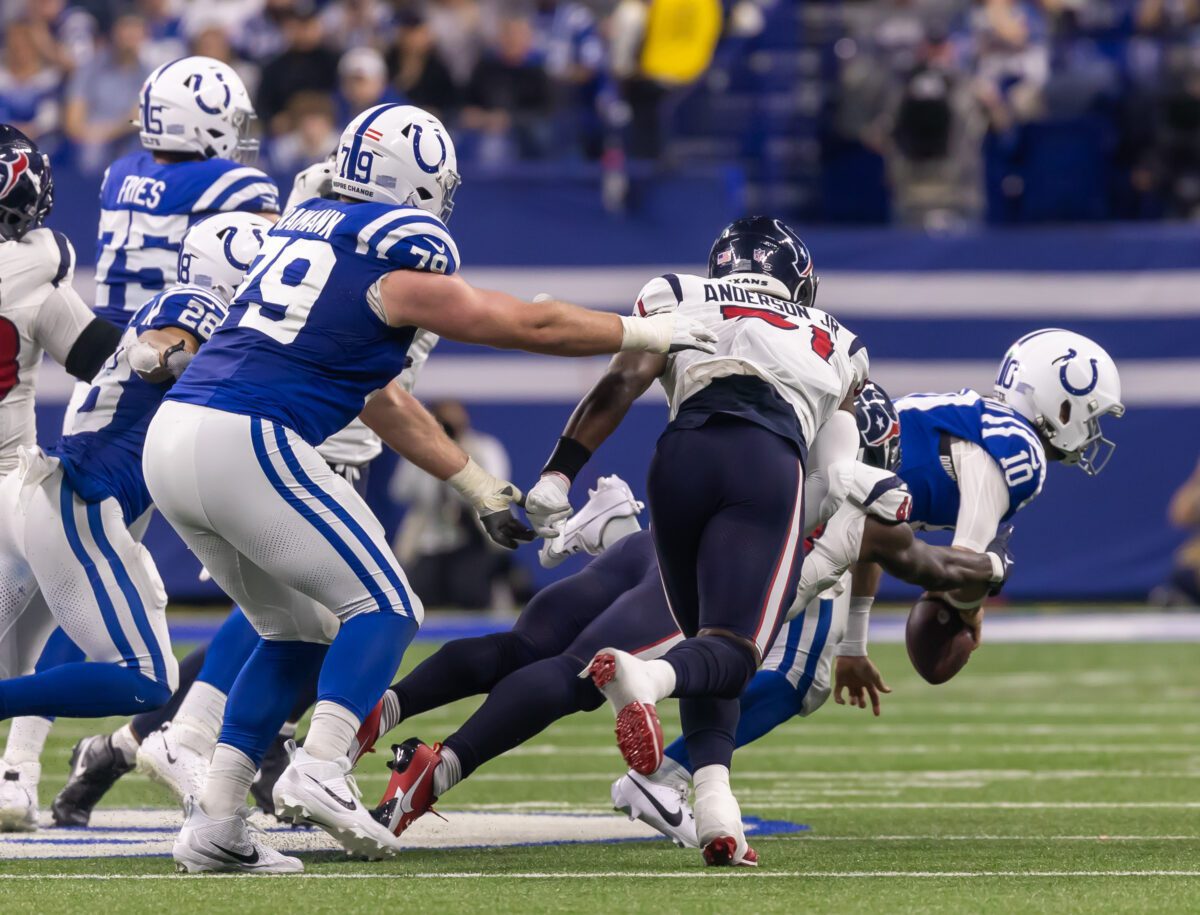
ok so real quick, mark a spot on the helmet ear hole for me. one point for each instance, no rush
(424, 194)
(1064, 412)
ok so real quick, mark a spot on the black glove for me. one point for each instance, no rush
(1000, 548)
(505, 529)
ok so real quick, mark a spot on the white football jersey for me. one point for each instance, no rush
(803, 353)
(33, 320)
(356, 445)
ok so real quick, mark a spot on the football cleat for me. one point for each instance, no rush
(720, 830)
(18, 796)
(409, 794)
(662, 807)
(230, 844)
(262, 789)
(620, 677)
(177, 758)
(368, 734)
(324, 793)
(723, 852)
(95, 767)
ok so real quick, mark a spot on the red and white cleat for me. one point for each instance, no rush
(723, 852)
(409, 794)
(368, 734)
(620, 677)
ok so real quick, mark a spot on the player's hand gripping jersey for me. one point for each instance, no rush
(146, 207)
(303, 346)
(928, 425)
(102, 456)
(810, 362)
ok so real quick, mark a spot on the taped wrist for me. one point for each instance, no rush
(143, 358)
(568, 458)
(651, 334)
(997, 568)
(480, 488)
(854, 642)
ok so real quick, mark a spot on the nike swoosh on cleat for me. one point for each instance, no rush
(170, 759)
(349, 805)
(672, 818)
(251, 858)
(406, 799)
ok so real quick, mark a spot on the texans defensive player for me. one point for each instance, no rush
(315, 337)
(726, 491)
(971, 463)
(40, 313)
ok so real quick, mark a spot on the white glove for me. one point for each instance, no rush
(314, 181)
(668, 332)
(547, 503)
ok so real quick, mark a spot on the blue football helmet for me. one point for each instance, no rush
(764, 254)
(26, 185)
(878, 428)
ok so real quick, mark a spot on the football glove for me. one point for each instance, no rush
(546, 504)
(492, 499)
(1000, 552)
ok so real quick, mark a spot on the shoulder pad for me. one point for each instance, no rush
(409, 238)
(232, 186)
(53, 254)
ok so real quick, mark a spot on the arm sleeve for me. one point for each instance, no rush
(983, 496)
(418, 354)
(60, 321)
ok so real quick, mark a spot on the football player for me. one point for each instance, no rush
(971, 463)
(726, 490)
(39, 312)
(315, 337)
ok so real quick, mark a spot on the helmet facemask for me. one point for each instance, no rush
(1095, 451)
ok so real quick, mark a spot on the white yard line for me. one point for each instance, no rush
(808, 837)
(731, 874)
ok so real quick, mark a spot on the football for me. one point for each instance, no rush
(938, 641)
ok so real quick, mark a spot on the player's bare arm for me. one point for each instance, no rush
(451, 307)
(408, 428)
(934, 568)
(161, 355)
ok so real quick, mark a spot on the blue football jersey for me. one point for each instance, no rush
(928, 422)
(102, 456)
(302, 346)
(145, 209)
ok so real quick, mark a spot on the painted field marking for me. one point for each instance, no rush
(982, 838)
(731, 874)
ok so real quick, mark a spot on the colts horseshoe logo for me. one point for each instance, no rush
(421, 163)
(228, 237)
(195, 87)
(1066, 383)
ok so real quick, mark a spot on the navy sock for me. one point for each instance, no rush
(521, 706)
(59, 649)
(363, 659)
(709, 724)
(228, 651)
(711, 666)
(766, 703)
(81, 690)
(149, 722)
(265, 692)
(307, 697)
(462, 668)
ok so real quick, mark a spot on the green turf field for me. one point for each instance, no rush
(1045, 778)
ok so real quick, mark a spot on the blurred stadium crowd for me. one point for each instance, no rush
(929, 112)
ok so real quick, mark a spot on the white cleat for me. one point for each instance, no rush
(177, 758)
(208, 845)
(324, 793)
(660, 806)
(721, 833)
(632, 692)
(18, 796)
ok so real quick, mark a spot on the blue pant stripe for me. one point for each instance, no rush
(293, 464)
(792, 645)
(824, 621)
(107, 611)
(136, 608)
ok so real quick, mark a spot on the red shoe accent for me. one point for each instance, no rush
(720, 852)
(409, 794)
(640, 737)
(603, 669)
(368, 733)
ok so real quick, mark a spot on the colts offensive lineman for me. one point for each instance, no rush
(315, 337)
(726, 491)
(39, 312)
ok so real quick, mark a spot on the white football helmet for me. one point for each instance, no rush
(1062, 382)
(197, 105)
(398, 154)
(217, 251)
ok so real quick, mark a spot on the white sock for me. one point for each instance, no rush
(716, 808)
(26, 737)
(663, 675)
(391, 715)
(230, 775)
(202, 710)
(288, 731)
(125, 742)
(672, 774)
(331, 734)
(448, 773)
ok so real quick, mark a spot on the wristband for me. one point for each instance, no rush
(568, 458)
(854, 640)
(997, 568)
(963, 604)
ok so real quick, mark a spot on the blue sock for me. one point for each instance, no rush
(149, 722)
(264, 692)
(228, 652)
(767, 702)
(81, 690)
(363, 660)
(59, 649)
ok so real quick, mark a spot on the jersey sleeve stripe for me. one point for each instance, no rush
(855, 346)
(263, 190)
(422, 228)
(374, 232)
(206, 200)
(676, 288)
(64, 258)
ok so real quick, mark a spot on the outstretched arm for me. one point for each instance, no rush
(934, 568)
